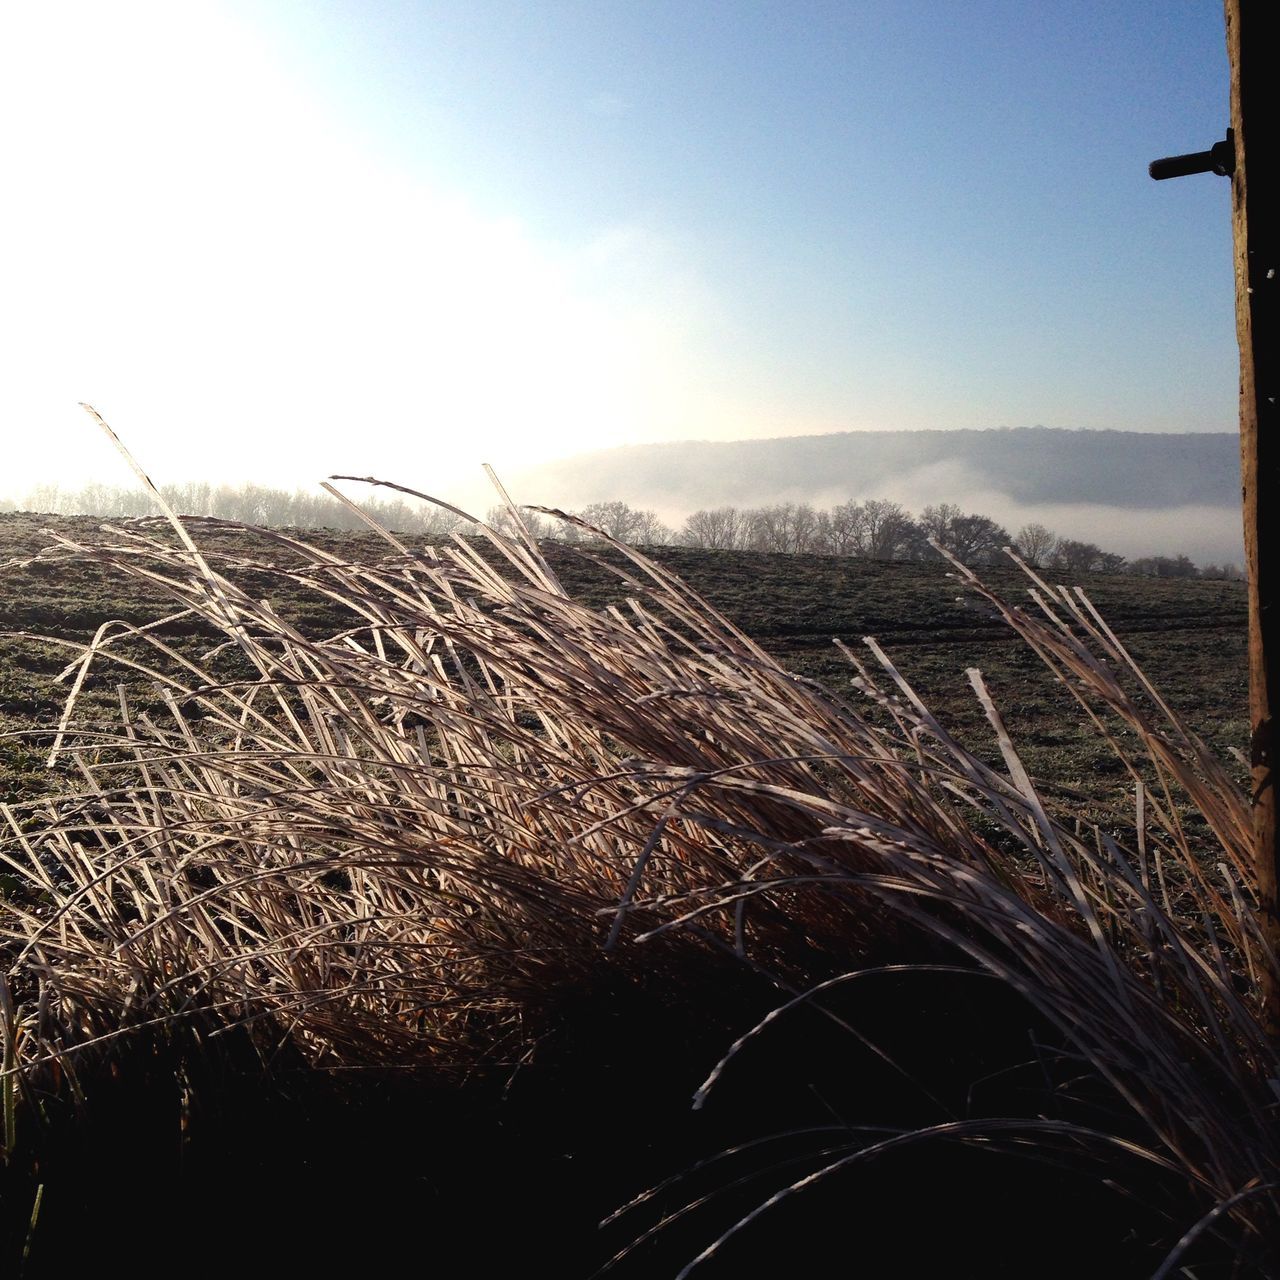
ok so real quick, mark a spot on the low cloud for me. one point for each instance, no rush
(1207, 533)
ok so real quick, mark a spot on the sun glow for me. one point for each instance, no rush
(249, 290)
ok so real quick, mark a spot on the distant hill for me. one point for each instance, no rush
(1030, 465)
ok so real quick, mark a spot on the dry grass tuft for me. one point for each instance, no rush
(393, 846)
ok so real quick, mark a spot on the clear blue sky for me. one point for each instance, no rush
(276, 239)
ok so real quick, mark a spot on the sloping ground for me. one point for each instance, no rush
(1189, 635)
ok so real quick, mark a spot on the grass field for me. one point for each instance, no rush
(1188, 635)
(514, 1076)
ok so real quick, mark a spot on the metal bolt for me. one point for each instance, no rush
(1219, 159)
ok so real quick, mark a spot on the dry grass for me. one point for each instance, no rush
(392, 847)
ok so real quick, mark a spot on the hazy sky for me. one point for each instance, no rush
(273, 240)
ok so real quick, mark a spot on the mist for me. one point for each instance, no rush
(1135, 493)
(1208, 533)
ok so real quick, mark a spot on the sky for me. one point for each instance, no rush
(271, 241)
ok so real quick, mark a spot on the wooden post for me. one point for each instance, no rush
(1252, 48)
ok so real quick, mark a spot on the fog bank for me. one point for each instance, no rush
(1135, 493)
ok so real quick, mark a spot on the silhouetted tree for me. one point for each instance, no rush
(1164, 567)
(1035, 544)
(978, 539)
(936, 520)
(884, 530)
(841, 529)
(973, 539)
(1223, 572)
(1072, 556)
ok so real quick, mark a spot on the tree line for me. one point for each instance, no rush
(875, 529)
(248, 503)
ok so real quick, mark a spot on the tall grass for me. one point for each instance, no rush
(391, 847)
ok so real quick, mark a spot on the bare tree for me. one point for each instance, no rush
(501, 519)
(841, 528)
(1223, 572)
(885, 530)
(1165, 567)
(44, 497)
(650, 531)
(1072, 556)
(725, 528)
(806, 529)
(1036, 544)
(936, 521)
(613, 518)
(973, 539)
(786, 527)
(195, 498)
(625, 523)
